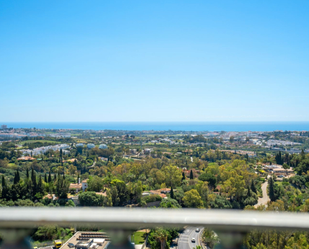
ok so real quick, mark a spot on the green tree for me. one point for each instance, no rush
(297, 242)
(70, 203)
(253, 188)
(169, 203)
(115, 200)
(49, 177)
(202, 189)
(40, 188)
(161, 235)
(285, 166)
(302, 154)
(173, 175)
(193, 199)
(210, 178)
(90, 198)
(5, 190)
(220, 202)
(122, 192)
(46, 233)
(172, 193)
(95, 183)
(271, 189)
(209, 238)
(34, 183)
(62, 187)
(27, 174)
(61, 157)
(135, 191)
(108, 201)
(183, 176)
(16, 177)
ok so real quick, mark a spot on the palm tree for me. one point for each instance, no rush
(161, 235)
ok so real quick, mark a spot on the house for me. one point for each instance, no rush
(76, 186)
(161, 192)
(79, 186)
(84, 184)
(282, 171)
(50, 196)
(133, 151)
(26, 158)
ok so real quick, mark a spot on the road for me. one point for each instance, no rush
(46, 247)
(185, 238)
(92, 166)
(265, 199)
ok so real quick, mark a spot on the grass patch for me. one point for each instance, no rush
(138, 238)
(81, 141)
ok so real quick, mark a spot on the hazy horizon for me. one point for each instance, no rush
(165, 126)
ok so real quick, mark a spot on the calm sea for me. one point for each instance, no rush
(174, 126)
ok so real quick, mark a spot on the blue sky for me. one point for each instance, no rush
(154, 60)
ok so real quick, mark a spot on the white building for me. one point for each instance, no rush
(84, 185)
(79, 186)
(90, 146)
(44, 149)
(103, 146)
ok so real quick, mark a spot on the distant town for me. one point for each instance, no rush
(240, 142)
(265, 171)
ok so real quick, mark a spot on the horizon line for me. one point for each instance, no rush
(264, 121)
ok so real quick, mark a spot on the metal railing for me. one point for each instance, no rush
(14, 220)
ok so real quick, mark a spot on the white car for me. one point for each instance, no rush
(193, 240)
(197, 230)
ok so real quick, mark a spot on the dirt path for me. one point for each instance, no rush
(265, 198)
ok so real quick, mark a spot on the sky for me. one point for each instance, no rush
(156, 60)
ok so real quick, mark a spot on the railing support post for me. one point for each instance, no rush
(120, 239)
(15, 238)
(231, 240)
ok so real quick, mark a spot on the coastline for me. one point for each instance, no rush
(165, 126)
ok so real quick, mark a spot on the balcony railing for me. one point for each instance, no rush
(17, 222)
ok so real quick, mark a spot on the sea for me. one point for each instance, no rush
(165, 126)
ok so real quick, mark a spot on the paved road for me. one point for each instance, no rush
(92, 166)
(46, 247)
(265, 198)
(185, 238)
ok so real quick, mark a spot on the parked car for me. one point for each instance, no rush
(71, 245)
